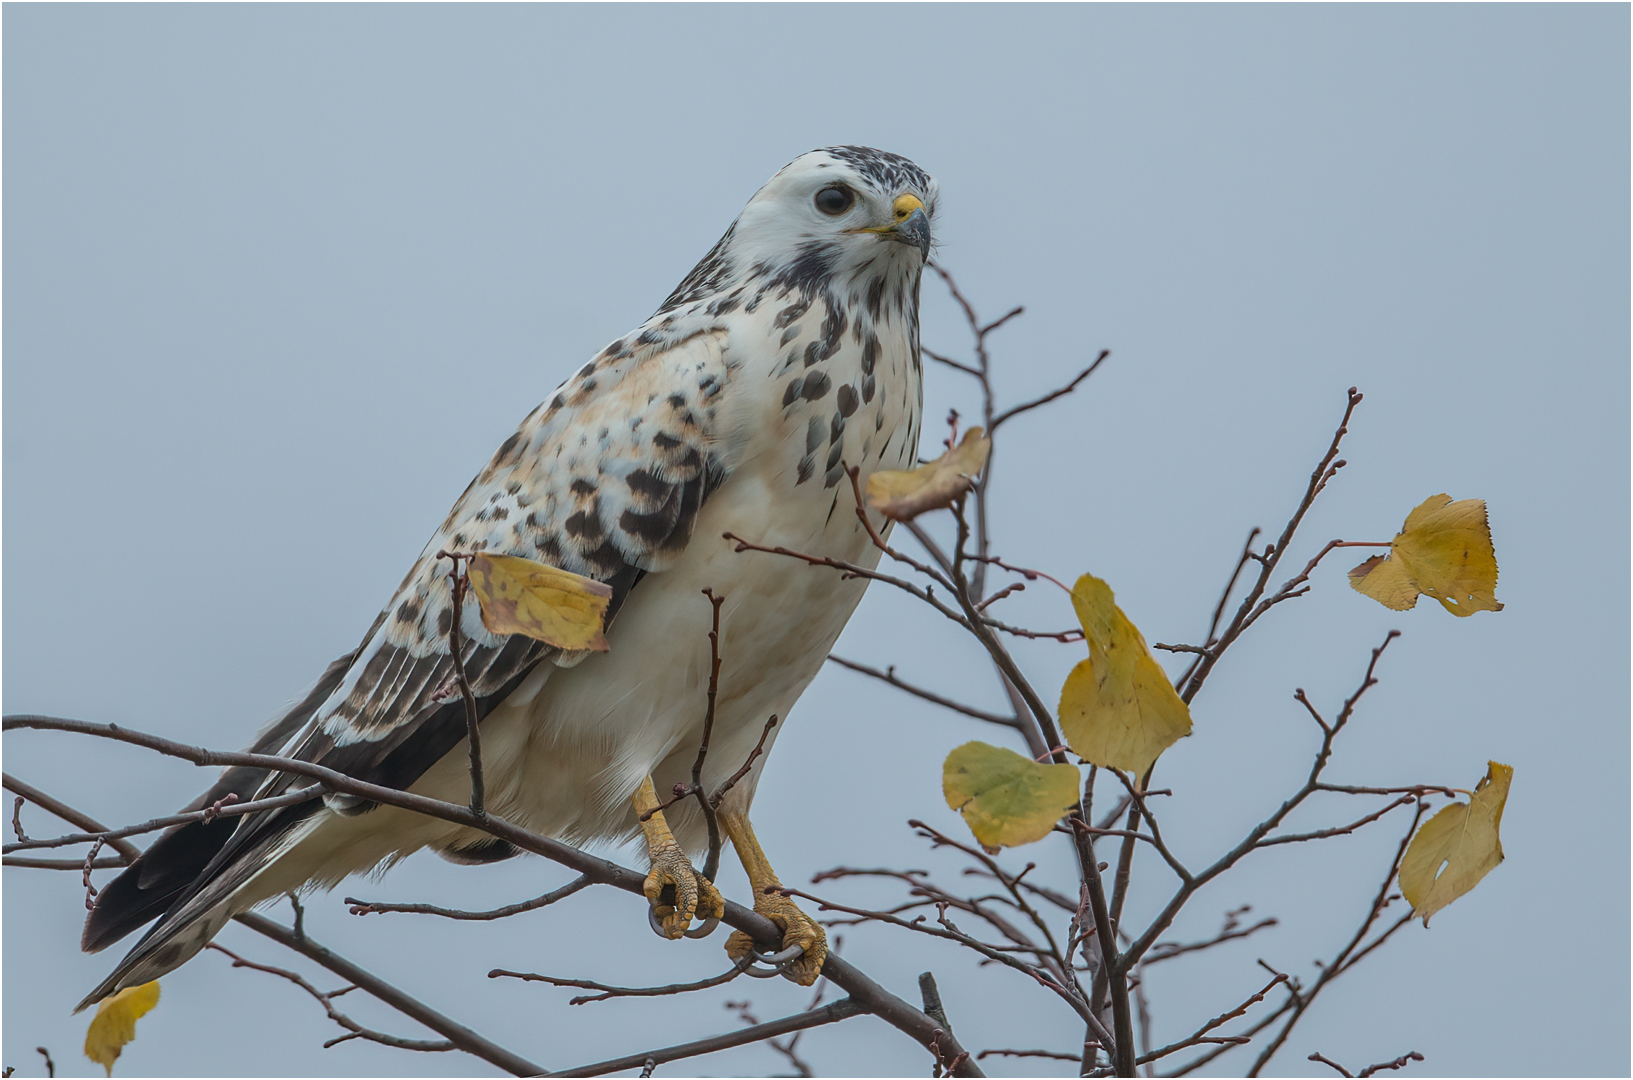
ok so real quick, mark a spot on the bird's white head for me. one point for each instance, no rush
(828, 220)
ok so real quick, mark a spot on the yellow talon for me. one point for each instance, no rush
(798, 928)
(690, 893)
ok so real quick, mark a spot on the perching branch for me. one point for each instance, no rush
(862, 989)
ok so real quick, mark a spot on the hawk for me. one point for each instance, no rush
(790, 352)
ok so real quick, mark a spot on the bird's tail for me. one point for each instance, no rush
(178, 879)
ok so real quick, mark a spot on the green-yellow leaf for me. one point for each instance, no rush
(1006, 799)
(1457, 847)
(903, 495)
(520, 596)
(114, 1024)
(1117, 709)
(1444, 551)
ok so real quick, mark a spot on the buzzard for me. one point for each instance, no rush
(788, 353)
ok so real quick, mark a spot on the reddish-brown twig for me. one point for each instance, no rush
(353, 1028)
(626, 991)
(456, 648)
(366, 907)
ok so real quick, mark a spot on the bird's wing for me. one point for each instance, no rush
(605, 479)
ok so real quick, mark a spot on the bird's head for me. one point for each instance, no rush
(833, 218)
(844, 206)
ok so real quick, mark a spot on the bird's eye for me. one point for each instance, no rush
(834, 201)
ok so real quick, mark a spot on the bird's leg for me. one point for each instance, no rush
(798, 928)
(693, 893)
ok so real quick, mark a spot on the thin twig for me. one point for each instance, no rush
(356, 1030)
(56, 806)
(1160, 952)
(1331, 1064)
(889, 676)
(711, 864)
(842, 1009)
(220, 809)
(1056, 1055)
(627, 991)
(1336, 967)
(456, 647)
(107, 862)
(366, 907)
(1011, 413)
(1255, 835)
(734, 778)
(1398, 1063)
(1251, 608)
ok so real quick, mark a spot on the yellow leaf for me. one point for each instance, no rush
(520, 596)
(1457, 847)
(1443, 551)
(905, 495)
(1117, 709)
(1006, 799)
(114, 1024)
(1386, 581)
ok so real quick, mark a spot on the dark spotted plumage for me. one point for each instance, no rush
(791, 348)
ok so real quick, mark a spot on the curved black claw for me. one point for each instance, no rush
(778, 962)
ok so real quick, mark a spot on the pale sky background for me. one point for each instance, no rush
(279, 278)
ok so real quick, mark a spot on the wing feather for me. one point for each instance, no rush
(605, 479)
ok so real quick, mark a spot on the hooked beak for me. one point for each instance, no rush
(912, 225)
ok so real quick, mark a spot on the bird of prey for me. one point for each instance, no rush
(790, 352)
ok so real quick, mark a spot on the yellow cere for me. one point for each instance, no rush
(905, 205)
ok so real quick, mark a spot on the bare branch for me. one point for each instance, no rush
(1398, 1063)
(1201, 1034)
(366, 907)
(1011, 413)
(627, 991)
(356, 1030)
(889, 676)
(463, 1037)
(1331, 1065)
(67, 813)
(1167, 951)
(1341, 830)
(842, 1009)
(1028, 1054)
(1255, 835)
(949, 361)
(862, 989)
(1250, 608)
(1340, 962)
(732, 780)
(222, 808)
(107, 862)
